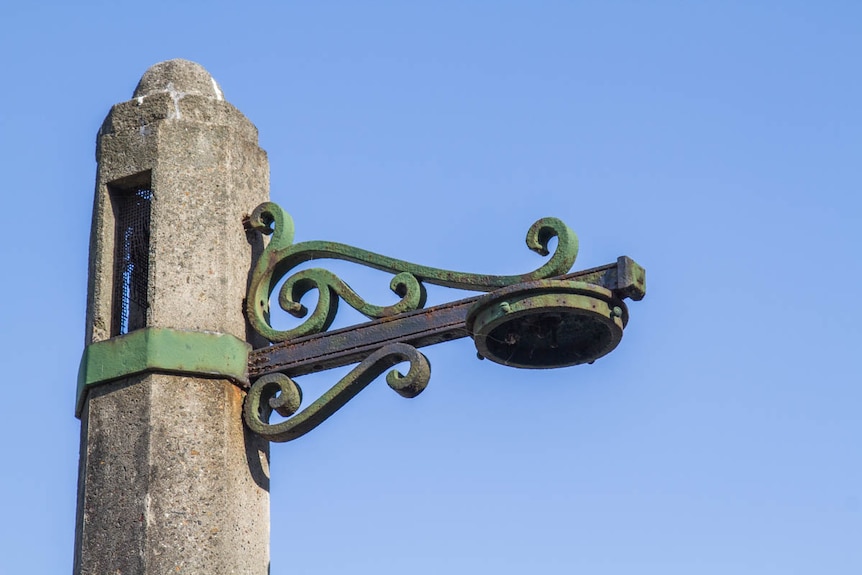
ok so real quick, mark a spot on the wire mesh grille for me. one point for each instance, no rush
(132, 259)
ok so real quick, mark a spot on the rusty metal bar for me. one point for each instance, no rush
(420, 328)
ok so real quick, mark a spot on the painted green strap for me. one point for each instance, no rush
(162, 350)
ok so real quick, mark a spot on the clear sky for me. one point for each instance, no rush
(716, 143)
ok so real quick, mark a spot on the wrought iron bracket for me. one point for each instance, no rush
(542, 319)
(420, 328)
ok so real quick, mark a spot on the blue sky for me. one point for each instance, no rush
(716, 143)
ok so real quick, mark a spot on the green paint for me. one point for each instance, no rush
(277, 392)
(281, 256)
(547, 324)
(165, 351)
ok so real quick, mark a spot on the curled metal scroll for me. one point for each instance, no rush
(277, 392)
(281, 256)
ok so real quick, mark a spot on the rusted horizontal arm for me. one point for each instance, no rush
(418, 328)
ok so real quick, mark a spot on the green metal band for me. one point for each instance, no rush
(162, 350)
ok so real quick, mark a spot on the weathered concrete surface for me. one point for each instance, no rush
(170, 481)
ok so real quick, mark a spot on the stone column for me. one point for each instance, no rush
(170, 481)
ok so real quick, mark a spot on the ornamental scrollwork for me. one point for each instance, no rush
(277, 392)
(281, 256)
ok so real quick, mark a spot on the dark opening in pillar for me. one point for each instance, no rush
(132, 200)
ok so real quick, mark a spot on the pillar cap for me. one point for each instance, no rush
(178, 76)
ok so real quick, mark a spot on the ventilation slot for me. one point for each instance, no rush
(132, 258)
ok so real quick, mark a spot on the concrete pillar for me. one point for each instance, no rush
(170, 481)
